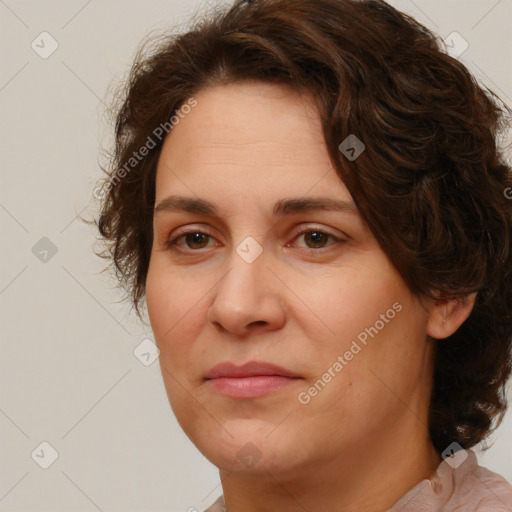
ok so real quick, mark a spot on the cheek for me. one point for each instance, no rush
(173, 310)
(169, 297)
(369, 315)
(346, 301)
(159, 302)
(174, 314)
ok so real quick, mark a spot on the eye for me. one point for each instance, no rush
(316, 239)
(193, 240)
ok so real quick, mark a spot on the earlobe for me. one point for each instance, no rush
(447, 315)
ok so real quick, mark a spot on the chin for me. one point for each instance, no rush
(251, 446)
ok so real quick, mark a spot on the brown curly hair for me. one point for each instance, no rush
(432, 183)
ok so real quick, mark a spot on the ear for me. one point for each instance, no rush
(447, 315)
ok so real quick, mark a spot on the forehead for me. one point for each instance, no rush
(252, 137)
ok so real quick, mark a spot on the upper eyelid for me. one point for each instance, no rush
(187, 230)
(298, 231)
(327, 231)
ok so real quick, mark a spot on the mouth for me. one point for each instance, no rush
(251, 380)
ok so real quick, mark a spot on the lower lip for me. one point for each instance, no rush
(250, 387)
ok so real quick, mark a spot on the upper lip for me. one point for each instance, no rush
(250, 369)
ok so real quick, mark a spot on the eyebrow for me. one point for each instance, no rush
(282, 207)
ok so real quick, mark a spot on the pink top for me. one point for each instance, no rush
(459, 485)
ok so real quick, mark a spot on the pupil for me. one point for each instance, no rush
(316, 237)
(197, 239)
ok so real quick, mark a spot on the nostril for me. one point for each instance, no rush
(258, 322)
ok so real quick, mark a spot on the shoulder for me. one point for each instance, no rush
(486, 490)
(460, 484)
(217, 506)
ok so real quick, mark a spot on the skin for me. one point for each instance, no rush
(362, 441)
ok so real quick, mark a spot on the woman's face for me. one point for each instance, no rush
(260, 255)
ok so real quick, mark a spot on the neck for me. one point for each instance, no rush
(366, 478)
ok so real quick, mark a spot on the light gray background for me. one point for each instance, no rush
(68, 375)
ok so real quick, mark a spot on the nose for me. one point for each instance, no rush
(248, 299)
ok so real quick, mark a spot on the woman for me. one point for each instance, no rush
(309, 197)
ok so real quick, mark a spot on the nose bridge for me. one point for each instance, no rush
(247, 294)
(247, 264)
(245, 282)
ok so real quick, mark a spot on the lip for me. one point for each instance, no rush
(251, 380)
(250, 369)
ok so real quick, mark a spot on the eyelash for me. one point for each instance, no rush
(171, 244)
